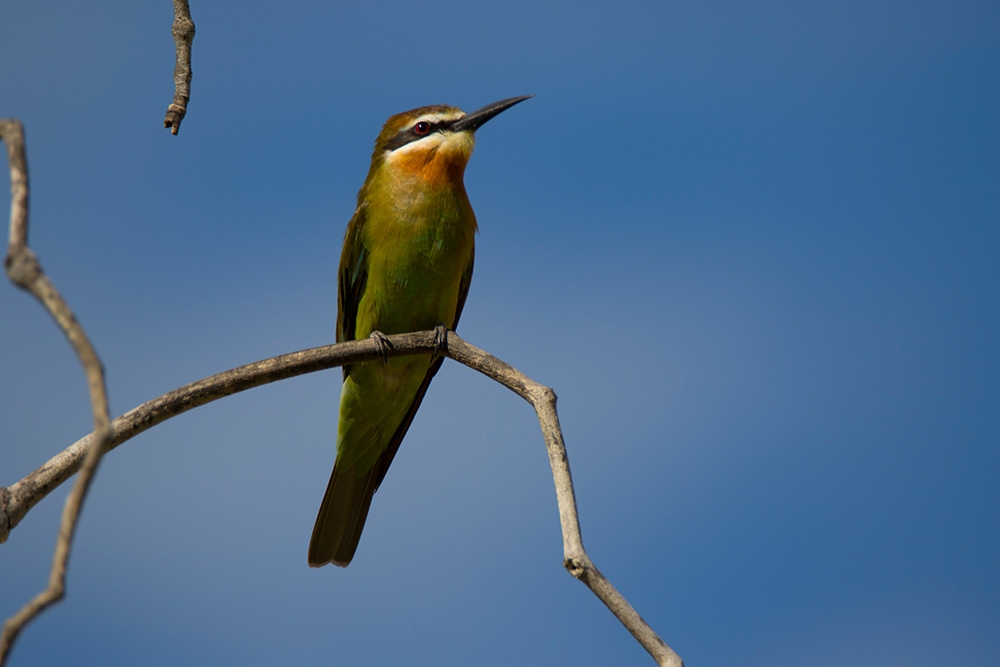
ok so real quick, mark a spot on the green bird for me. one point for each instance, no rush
(406, 266)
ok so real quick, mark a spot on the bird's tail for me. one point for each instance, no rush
(342, 516)
(349, 494)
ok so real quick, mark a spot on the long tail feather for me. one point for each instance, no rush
(341, 517)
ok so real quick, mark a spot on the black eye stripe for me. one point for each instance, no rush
(409, 134)
(424, 128)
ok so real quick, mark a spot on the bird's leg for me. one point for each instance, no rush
(382, 344)
(440, 340)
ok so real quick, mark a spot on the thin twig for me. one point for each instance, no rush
(575, 558)
(26, 272)
(183, 32)
(26, 493)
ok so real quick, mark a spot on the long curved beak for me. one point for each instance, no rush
(478, 118)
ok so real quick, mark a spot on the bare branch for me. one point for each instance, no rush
(183, 32)
(575, 558)
(26, 493)
(26, 272)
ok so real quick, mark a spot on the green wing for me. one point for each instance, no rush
(352, 278)
(463, 289)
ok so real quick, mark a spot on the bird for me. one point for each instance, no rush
(406, 266)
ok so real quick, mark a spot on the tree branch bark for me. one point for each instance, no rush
(26, 272)
(575, 558)
(183, 33)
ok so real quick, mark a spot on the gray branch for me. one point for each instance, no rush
(26, 272)
(183, 33)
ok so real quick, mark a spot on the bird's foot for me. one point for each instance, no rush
(382, 344)
(440, 340)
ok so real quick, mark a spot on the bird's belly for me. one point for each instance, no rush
(412, 296)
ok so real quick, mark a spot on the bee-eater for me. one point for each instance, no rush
(406, 266)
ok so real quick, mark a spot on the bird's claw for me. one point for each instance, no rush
(382, 344)
(440, 340)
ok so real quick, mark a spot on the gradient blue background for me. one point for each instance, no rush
(754, 248)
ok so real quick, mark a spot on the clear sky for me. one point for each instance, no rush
(754, 247)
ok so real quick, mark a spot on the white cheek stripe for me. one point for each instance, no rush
(424, 144)
(435, 141)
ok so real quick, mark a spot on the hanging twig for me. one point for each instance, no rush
(183, 32)
(26, 272)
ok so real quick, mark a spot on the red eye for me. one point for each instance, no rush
(422, 128)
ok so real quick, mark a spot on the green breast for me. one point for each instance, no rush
(418, 249)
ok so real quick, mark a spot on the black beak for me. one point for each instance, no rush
(478, 118)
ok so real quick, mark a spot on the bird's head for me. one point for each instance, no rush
(432, 144)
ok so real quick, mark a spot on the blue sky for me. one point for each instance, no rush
(753, 247)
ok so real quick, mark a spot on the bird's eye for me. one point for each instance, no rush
(422, 128)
